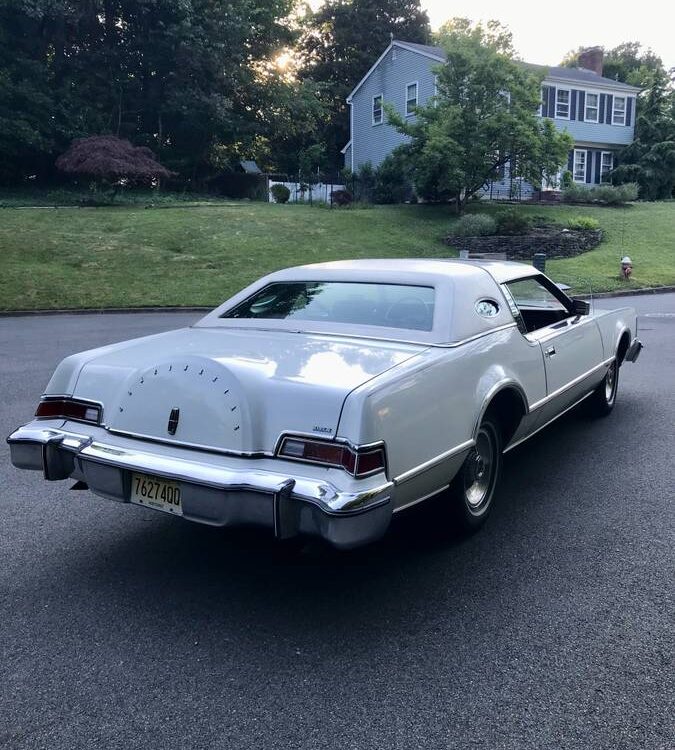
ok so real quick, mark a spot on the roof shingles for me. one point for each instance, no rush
(554, 71)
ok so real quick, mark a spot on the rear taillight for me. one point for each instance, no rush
(68, 408)
(359, 462)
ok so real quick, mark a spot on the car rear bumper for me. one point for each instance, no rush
(217, 492)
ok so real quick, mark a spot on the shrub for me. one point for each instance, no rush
(392, 181)
(629, 191)
(474, 225)
(341, 197)
(364, 182)
(610, 195)
(280, 193)
(566, 180)
(512, 222)
(615, 195)
(605, 194)
(574, 193)
(583, 222)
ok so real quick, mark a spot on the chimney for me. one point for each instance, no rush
(591, 59)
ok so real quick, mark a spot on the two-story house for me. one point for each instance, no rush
(598, 112)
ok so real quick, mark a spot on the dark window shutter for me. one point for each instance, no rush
(629, 109)
(601, 113)
(589, 166)
(610, 101)
(598, 159)
(551, 101)
(570, 161)
(573, 104)
(544, 101)
(582, 104)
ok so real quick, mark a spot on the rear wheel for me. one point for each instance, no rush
(472, 490)
(602, 400)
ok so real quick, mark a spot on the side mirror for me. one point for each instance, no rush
(581, 306)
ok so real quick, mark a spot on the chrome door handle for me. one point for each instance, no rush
(550, 352)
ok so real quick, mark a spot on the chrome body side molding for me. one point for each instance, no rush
(538, 404)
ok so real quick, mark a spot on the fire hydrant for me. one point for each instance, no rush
(626, 267)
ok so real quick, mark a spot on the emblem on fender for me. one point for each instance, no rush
(173, 421)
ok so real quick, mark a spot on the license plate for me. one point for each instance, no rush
(157, 493)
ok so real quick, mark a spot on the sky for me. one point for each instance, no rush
(544, 31)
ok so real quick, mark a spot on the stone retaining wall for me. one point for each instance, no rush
(554, 241)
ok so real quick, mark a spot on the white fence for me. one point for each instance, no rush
(319, 193)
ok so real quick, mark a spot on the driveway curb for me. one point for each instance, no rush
(630, 292)
(196, 309)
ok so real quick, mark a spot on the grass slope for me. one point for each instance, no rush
(131, 256)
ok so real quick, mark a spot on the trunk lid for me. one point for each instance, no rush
(234, 390)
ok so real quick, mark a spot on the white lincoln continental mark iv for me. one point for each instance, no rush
(322, 399)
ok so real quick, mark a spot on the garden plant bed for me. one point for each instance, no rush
(554, 240)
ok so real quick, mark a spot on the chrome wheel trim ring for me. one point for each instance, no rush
(479, 472)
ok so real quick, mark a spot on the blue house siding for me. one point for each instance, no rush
(602, 131)
(399, 67)
(405, 63)
(591, 132)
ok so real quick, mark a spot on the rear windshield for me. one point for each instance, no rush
(386, 305)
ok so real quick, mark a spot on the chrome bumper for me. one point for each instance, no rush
(211, 492)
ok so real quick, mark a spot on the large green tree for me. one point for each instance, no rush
(340, 42)
(628, 63)
(484, 116)
(188, 78)
(650, 159)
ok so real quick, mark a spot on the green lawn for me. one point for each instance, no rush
(135, 256)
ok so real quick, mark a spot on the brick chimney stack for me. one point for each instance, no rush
(591, 59)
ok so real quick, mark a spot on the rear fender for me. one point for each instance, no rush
(508, 385)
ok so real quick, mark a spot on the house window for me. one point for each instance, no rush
(591, 113)
(606, 165)
(377, 110)
(410, 98)
(543, 96)
(562, 103)
(619, 111)
(579, 166)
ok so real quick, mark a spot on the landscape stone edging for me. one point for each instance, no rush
(555, 242)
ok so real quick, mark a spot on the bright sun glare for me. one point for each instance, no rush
(283, 61)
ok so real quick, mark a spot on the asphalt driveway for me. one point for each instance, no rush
(551, 628)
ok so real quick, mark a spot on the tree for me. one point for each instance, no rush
(340, 42)
(627, 63)
(484, 116)
(110, 160)
(180, 76)
(650, 159)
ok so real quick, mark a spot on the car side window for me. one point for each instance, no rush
(537, 305)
